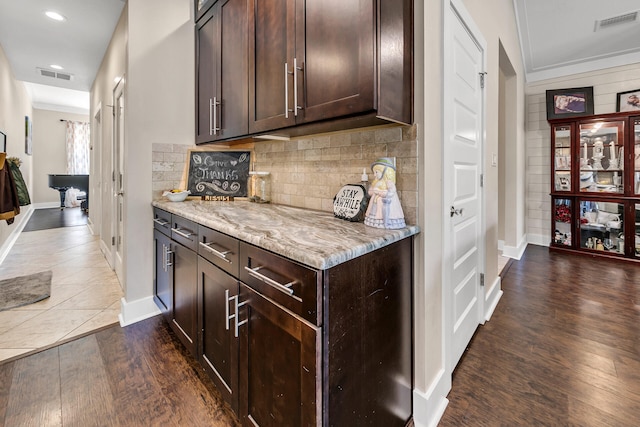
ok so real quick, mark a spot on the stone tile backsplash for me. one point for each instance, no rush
(308, 171)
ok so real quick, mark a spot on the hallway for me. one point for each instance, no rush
(562, 348)
(85, 293)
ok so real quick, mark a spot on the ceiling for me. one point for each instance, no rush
(558, 38)
(564, 37)
(32, 41)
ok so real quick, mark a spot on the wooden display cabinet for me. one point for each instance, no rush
(595, 185)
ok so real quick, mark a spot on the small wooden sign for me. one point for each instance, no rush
(351, 203)
(218, 173)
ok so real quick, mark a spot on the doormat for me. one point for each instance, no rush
(24, 290)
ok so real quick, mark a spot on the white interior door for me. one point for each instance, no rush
(463, 154)
(118, 180)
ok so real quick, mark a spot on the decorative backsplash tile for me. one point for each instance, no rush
(308, 172)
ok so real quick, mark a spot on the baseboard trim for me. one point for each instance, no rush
(492, 298)
(136, 311)
(91, 227)
(106, 251)
(20, 222)
(538, 239)
(429, 407)
(515, 252)
(46, 205)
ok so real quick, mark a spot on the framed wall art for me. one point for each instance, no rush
(3, 142)
(573, 102)
(628, 101)
(28, 135)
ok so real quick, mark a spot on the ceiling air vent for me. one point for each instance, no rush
(616, 20)
(55, 74)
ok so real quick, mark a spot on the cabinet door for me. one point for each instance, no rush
(601, 156)
(561, 136)
(280, 375)
(222, 72)
(206, 54)
(163, 270)
(271, 52)
(218, 351)
(635, 166)
(185, 291)
(342, 83)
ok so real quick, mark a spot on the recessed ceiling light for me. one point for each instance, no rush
(55, 15)
(56, 67)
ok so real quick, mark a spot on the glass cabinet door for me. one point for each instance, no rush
(601, 155)
(636, 155)
(602, 226)
(562, 158)
(636, 241)
(562, 219)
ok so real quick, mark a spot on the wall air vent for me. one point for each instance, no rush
(55, 74)
(616, 20)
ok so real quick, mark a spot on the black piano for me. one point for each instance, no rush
(64, 182)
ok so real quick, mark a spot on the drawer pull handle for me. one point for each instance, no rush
(166, 262)
(221, 255)
(179, 232)
(236, 315)
(226, 309)
(160, 222)
(279, 286)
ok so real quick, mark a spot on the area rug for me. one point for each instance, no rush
(24, 290)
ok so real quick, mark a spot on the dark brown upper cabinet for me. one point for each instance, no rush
(222, 71)
(311, 62)
(202, 6)
(294, 67)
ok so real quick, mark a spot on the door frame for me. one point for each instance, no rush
(454, 9)
(117, 158)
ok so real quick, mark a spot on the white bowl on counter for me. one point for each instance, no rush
(176, 197)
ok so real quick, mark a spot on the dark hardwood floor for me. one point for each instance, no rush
(134, 376)
(43, 219)
(562, 348)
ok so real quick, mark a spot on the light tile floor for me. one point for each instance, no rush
(85, 292)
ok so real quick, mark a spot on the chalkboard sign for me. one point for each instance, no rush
(218, 173)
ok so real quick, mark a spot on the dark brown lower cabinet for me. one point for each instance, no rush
(185, 295)
(287, 344)
(280, 377)
(218, 351)
(163, 280)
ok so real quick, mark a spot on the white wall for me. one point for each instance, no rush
(113, 67)
(496, 21)
(49, 152)
(606, 84)
(159, 104)
(15, 104)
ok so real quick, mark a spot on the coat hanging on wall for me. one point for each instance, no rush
(9, 203)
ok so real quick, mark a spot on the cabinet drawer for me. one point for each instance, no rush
(185, 232)
(294, 286)
(162, 221)
(220, 249)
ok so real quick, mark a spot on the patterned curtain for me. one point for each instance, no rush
(78, 137)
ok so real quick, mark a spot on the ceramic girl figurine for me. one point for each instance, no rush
(384, 210)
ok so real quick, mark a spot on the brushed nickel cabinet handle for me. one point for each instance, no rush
(221, 255)
(179, 232)
(286, 288)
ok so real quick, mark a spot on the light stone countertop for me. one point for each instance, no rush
(314, 238)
